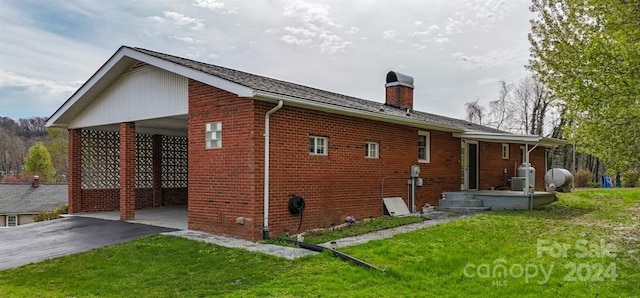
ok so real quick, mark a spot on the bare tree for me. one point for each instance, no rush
(12, 152)
(499, 108)
(474, 111)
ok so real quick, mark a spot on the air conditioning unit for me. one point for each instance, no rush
(517, 183)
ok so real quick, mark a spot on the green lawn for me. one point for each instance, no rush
(426, 262)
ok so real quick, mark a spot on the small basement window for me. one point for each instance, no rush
(317, 145)
(213, 135)
(371, 149)
(423, 146)
(505, 151)
(12, 220)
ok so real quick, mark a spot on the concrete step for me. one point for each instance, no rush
(463, 210)
(460, 203)
(458, 195)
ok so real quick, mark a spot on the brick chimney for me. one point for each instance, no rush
(36, 181)
(399, 90)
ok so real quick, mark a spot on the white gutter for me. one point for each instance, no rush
(265, 227)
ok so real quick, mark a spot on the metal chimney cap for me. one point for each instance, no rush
(395, 78)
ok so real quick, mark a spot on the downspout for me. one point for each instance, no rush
(265, 227)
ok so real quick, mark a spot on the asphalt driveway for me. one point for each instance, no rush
(35, 242)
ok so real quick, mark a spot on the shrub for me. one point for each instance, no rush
(593, 184)
(53, 214)
(583, 177)
(631, 178)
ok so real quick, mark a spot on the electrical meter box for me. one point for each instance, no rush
(415, 171)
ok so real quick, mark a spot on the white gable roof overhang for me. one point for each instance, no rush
(510, 138)
(118, 64)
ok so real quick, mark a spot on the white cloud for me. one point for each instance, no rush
(417, 23)
(300, 31)
(352, 30)
(210, 4)
(186, 39)
(314, 28)
(309, 13)
(440, 40)
(55, 88)
(388, 34)
(182, 20)
(290, 39)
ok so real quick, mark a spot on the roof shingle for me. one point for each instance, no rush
(275, 86)
(25, 199)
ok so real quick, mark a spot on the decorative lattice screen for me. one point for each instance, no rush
(100, 159)
(144, 161)
(174, 161)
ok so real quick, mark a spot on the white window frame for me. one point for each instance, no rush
(213, 135)
(314, 149)
(15, 220)
(427, 147)
(505, 151)
(372, 150)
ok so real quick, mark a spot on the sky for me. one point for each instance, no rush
(456, 50)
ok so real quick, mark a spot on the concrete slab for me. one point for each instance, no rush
(39, 241)
(270, 249)
(396, 206)
(168, 217)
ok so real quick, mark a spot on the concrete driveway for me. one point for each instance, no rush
(35, 242)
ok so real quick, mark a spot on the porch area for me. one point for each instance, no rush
(485, 200)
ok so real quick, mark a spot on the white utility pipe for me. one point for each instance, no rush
(526, 176)
(265, 227)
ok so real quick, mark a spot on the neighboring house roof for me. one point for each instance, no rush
(26, 199)
(263, 88)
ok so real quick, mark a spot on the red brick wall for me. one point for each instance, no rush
(100, 200)
(75, 171)
(345, 182)
(222, 181)
(491, 165)
(109, 199)
(127, 170)
(399, 96)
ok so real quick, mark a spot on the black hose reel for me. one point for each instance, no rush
(296, 206)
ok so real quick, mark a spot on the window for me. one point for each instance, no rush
(505, 151)
(423, 146)
(213, 135)
(317, 145)
(522, 154)
(371, 150)
(12, 220)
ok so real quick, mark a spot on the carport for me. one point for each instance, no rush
(127, 140)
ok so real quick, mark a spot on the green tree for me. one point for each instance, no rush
(58, 146)
(587, 52)
(38, 162)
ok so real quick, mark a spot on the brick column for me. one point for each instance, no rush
(127, 170)
(157, 170)
(74, 174)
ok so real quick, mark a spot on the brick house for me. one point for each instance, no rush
(150, 129)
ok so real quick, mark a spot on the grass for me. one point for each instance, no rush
(357, 228)
(427, 262)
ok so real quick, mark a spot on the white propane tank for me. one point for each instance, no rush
(558, 176)
(522, 172)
